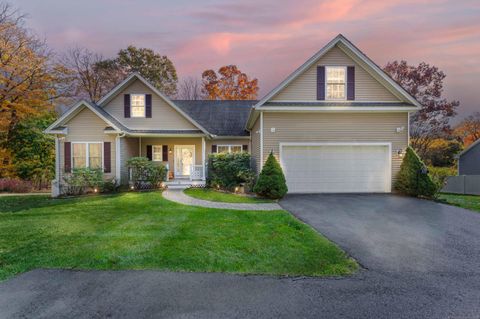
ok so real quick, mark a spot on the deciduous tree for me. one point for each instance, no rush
(468, 130)
(30, 82)
(229, 84)
(425, 83)
(189, 88)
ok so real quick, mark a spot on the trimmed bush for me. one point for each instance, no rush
(271, 182)
(413, 178)
(82, 179)
(14, 185)
(229, 170)
(145, 173)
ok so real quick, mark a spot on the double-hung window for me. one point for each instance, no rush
(87, 155)
(157, 153)
(229, 148)
(137, 103)
(336, 83)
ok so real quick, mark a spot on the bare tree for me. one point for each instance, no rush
(189, 88)
(92, 75)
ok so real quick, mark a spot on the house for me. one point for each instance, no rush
(469, 160)
(336, 124)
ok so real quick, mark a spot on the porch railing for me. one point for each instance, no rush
(196, 172)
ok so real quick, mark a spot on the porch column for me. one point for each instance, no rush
(117, 160)
(56, 181)
(203, 158)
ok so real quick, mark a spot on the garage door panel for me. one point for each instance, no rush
(336, 168)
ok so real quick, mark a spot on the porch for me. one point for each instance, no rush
(184, 157)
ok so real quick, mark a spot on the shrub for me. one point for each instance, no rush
(271, 182)
(145, 173)
(439, 174)
(413, 178)
(82, 179)
(14, 185)
(109, 186)
(228, 171)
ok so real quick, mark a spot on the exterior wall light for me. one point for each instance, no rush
(400, 153)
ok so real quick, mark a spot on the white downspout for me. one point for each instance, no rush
(261, 141)
(203, 158)
(118, 175)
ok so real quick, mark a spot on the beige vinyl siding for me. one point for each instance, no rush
(255, 135)
(304, 87)
(171, 142)
(164, 117)
(336, 127)
(86, 126)
(128, 149)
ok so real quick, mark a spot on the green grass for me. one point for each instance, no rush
(217, 196)
(146, 231)
(471, 202)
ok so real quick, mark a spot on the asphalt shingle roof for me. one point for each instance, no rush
(223, 118)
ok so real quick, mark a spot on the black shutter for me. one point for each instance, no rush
(165, 153)
(148, 105)
(68, 157)
(245, 148)
(149, 152)
(107, 157)
(126, 105)
(214, 148)
(320, 83)
(351, 83)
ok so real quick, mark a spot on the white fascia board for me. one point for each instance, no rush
(73, 111)
(163, 135)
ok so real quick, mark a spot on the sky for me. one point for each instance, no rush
(268, 39)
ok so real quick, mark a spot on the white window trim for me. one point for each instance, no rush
(144, 105)
(326, 83)
(230, 147)
(87, 151)
(153, 152)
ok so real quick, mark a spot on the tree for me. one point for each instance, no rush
(91, 75)
(413, 178)
(271, 181)
(468, 130)
(229, 84)
(33, 152)
(30, 81)
(156, 68)
(442, 152)
(425, 83)
(189, 88)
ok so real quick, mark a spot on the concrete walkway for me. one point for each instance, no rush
(177, 195)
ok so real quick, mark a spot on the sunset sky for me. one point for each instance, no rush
(268, 39)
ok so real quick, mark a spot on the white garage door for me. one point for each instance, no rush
(336, 168)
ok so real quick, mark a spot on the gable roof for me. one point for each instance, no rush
(136, 76)
(57, 126)
(221, 118)
(354, 53)
(470, 147)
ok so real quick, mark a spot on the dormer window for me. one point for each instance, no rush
(137, 102)
(336, 83)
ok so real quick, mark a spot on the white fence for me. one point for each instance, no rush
(463, 184)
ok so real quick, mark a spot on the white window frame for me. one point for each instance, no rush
(153, 153)
(326, 83)
(87, 153)
(144, 105)
(230, 147)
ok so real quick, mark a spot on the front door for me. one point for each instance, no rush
(184, 158)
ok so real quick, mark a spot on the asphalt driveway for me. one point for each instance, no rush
(421, 260)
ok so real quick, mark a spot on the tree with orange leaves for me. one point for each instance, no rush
(229, 84)
(468, 130)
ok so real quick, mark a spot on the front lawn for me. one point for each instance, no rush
(146, 231)
(471, 202)
(217, 196)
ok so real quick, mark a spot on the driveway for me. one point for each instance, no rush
(421, 260)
